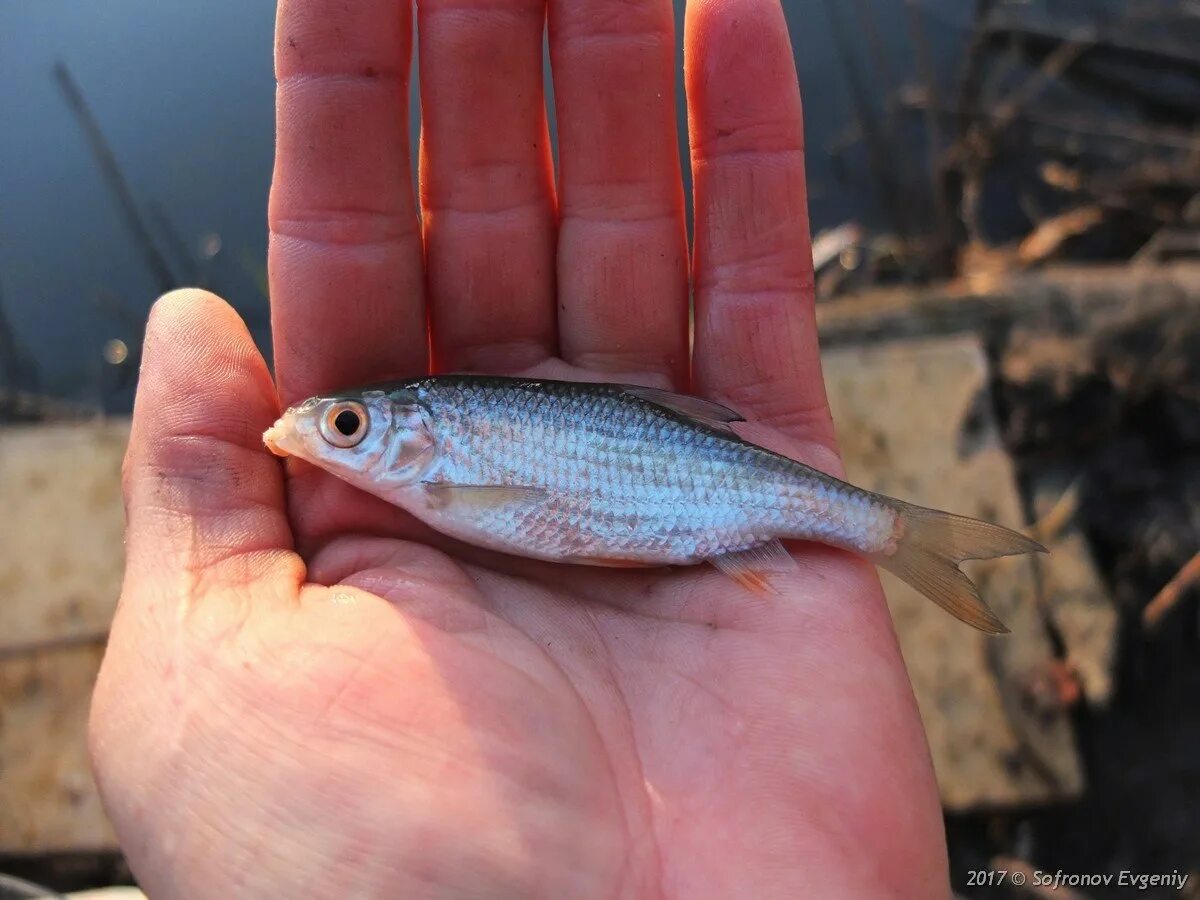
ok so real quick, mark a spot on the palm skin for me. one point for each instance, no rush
(308, 694)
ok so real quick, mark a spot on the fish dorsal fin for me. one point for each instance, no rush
(753, 567)
(484, 496)
(696, 408)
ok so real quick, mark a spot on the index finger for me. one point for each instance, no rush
(347, 292)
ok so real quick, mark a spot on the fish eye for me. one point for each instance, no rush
(344, 424)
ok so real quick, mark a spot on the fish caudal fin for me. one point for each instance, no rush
(932, 544)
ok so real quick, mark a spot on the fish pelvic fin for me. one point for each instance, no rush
(929, 548)
(754, 567)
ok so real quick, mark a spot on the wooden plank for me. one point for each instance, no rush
(1064, 296)
(48, 800)
(60, 573)
(913, 422)
(62, 532)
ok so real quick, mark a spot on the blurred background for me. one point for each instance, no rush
(1006, 201)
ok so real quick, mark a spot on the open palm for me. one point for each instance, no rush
(308, 694)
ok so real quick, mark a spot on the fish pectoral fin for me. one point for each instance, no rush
(695, 408)
(753, 567)
(484, 496)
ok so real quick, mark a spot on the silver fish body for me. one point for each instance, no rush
(608, 474)
(625, 479)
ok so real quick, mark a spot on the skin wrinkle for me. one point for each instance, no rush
(641, 21)
(346, 227)
(599, 735)
(385, 75)
(347, 555)
(785, 414)
(451, 14)
(244, 535)
(433, 751)
(496, 193)
(511, 355)
(617, 360)
(642, 814)
(765, 268)
(528, 674)
(362, 664)
(186, 479)
(769, 143)
(756, 256)
(330, 36)
(648, 215)
(512, 215)
(282, 738)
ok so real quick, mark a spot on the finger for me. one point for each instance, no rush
(486, 184)
(345, 250)
(204, 502)
(622, 245)
(756, 338)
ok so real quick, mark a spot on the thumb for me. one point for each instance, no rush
(204, 501)
(207, 543)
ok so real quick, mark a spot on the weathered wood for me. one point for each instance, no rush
(60, 574)
(912, 423)
(1070, 296)
(48, 800)
(62, 530)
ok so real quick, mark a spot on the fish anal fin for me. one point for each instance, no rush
(698, 409)
(753, 567)
(484, 496)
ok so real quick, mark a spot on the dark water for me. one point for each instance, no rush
(183, 93)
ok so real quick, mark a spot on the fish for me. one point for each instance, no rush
(622, 475)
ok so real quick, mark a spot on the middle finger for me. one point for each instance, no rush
(487, 184)
(622, 253)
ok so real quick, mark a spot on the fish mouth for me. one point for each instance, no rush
(275, 436)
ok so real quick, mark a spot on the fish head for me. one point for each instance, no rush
(369, 438)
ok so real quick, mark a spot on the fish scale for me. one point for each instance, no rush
(635, 481)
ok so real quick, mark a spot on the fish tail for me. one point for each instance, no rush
(930, 544)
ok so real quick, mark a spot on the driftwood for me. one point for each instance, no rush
(1066, 293)
(1135, 165)
(1172, 592)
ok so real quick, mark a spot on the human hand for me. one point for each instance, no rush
(307, 694)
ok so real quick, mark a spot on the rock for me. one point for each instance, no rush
(914, 421)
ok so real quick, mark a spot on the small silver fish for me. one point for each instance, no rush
(620, 475)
